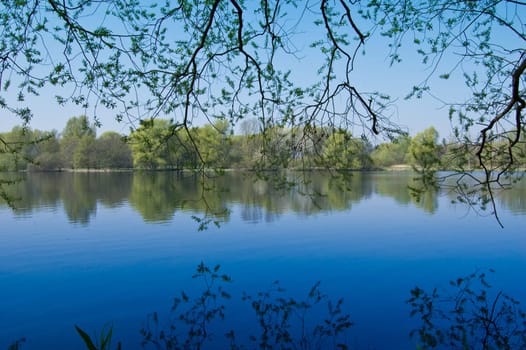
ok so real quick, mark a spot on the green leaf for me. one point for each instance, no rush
(86, 338)
(106, 340)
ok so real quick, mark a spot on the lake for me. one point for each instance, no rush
(91, 249)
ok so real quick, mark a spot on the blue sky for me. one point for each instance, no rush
(372, 73)
(415, 114)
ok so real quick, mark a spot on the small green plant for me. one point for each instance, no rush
(281, 322)
(471, 317)
(190, 329)
(104, 341)
(284, 322)
(17, 345)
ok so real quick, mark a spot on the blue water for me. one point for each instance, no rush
(118, 268)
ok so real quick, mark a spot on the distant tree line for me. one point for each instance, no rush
(77, 147)
(158, 144)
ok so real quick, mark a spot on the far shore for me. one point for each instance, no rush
(392, 168)
(399, 167)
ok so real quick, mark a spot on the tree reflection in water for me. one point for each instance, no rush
(157, 196)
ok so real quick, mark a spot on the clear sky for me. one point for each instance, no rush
(372, 73)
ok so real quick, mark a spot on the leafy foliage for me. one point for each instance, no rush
(112, 151)
(345, 152)
(283, 322)
(156, 144)
(152, 145)
(76, 138)
(392, 153)
(196, 317)
(102, 343)
(461, 42)
(471, 317)
(424, 151)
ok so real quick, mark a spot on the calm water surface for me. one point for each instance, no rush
(92, 249)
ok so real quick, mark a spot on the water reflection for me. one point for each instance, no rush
(157, 196)
(399, 187)
(514, 200)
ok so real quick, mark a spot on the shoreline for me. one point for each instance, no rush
(392, 168)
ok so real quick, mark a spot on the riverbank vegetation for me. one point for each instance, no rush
(157, 144)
